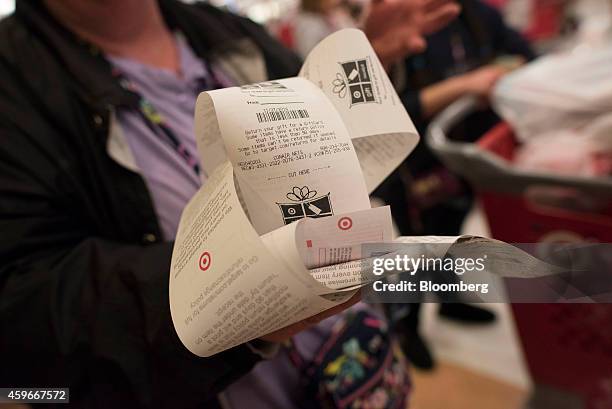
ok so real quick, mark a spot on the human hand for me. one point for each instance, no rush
(434, 15)
(287, 332)
(396, 28)
(482, 80)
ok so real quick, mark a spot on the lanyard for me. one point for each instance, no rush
(156, 122)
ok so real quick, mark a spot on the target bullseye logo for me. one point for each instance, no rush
(205, 261)
(345, 223)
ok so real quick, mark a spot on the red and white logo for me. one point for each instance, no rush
(345, 223)
(205, 261)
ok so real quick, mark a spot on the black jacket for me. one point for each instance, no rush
(83, 267)
(483, 36)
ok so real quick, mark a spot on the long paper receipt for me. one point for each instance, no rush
(291, 163)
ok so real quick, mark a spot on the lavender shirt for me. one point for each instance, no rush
(171, 182)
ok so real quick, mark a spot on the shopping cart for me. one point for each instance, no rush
(568, 347)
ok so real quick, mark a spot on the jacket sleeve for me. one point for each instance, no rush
(82, 311)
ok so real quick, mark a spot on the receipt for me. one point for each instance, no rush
(290, 150)
(291, 163)
(276, 233)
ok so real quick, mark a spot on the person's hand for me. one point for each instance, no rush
(482, 80)
(396, 28)
(284, 334)
(434, 15)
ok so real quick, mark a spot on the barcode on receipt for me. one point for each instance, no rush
(280, 114)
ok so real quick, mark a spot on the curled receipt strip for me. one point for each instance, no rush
(291, 163)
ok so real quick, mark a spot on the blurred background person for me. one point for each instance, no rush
(410, 19)
(467, 57)
(316, 19)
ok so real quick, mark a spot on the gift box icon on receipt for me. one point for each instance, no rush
(305, 203)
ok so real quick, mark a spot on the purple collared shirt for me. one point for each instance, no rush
(172, 182)
(170, 179)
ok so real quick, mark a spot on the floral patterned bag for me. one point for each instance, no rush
(358, 367)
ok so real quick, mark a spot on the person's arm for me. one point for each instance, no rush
(396, 28)
(78, 310)
(84, 311)
(438, 96)
(425, 103)
(87, 312)
(479, 82)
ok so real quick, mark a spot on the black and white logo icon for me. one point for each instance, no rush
(305, 203)
(355, 80)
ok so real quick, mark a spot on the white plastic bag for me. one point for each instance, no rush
(557, 92)
(586, 151)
